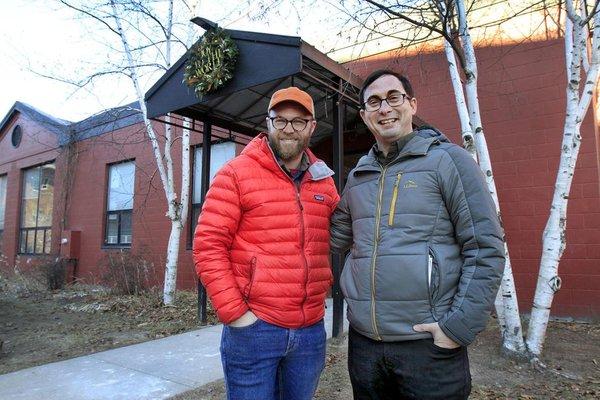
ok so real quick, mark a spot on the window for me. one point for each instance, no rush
(121, 179)
(17, 135)
(3, 181)
(219, 155)
(35, 236)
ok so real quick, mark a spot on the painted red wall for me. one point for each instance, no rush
(522, 98)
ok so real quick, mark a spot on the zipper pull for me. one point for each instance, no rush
(429, 269)
(394, 199)
(398, 177)
(299, 201)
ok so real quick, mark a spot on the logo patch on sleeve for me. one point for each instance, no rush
(319, 197)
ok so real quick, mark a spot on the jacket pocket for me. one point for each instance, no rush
(433, 276)
(248, 287)
(394, 199)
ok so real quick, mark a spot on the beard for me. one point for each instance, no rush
(288, 150)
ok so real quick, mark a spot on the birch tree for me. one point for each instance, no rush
(120, 13)
(506, 305)
(582, 79)
(177, 209)
(508, 308)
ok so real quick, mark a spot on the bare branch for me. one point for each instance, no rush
(89, 14)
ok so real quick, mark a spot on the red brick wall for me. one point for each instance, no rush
(37, 146)
(522, 97)
(521, 92)
(151, 228)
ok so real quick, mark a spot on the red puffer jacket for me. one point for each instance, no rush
(262, 244)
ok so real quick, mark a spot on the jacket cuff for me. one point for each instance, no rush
(455, 329)
(228, 317)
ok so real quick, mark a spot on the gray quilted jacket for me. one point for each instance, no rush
(426, 243)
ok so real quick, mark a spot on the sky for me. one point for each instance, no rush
(44, 38)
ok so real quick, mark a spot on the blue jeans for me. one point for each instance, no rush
(264, 361)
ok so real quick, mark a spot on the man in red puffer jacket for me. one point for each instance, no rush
(261, 249)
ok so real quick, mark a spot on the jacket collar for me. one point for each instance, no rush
(259, 150)
(418, 146)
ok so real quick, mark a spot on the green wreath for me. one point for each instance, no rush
(211, 62)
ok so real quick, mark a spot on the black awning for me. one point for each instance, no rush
(266, 63)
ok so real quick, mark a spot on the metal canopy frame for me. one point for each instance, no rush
(266, 63)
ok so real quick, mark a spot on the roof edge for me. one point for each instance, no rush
(55, 125)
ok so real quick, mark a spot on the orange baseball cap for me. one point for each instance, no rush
(294, 94)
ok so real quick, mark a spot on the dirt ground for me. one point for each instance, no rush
(571, 354)
(41, 327)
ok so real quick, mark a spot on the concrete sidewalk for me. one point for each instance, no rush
(157, 369)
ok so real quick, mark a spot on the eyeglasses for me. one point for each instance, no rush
(394, 100)
(298, 124)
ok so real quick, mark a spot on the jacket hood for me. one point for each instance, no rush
(431, 132)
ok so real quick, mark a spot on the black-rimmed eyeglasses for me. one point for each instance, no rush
(394, 100)
(298, 124)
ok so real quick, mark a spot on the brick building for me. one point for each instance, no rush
(522, 98)
(82, 189)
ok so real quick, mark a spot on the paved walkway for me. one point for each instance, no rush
(157, 369)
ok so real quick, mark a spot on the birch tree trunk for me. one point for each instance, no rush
(174, 207)
(469, 145)
(178, 219)
(176, 210)
(461, 105)
(512, 331)
(554, 237)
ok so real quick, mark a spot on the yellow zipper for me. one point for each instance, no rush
(374, 256)
(394, 198)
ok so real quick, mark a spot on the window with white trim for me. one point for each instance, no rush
(3, 182)
(37, 198)
(119, 204)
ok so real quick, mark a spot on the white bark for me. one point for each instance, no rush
(180, 210)
(554, 237)
(140, 95)
(467, 135)
(510, 317)
(171, 264)
(185, 169)
(586, 34)
(461, 104)
(176, 210)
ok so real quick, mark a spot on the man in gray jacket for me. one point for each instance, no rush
(426, 253)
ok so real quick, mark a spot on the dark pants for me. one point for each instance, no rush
(414, 369)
